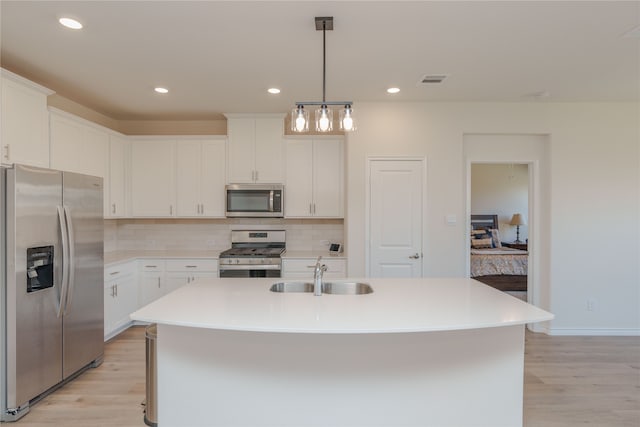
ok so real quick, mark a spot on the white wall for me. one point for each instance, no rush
(501, 189)
(590, 232)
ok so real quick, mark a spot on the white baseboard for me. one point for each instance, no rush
(621, 332)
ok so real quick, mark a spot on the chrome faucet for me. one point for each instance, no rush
(318, 271)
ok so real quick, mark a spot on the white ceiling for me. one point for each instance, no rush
(221, 56)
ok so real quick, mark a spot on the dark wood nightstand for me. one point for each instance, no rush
(521, 246)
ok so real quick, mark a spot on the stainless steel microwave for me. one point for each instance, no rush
(255, 200)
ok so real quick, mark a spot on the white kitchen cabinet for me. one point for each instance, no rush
(24, 121)
(184, 271)
(200, 180)
(115, 205)
(314, 178)
(151, 280)
(302, 268)
(255, 148)
(77, 145)
(120, 297)
(153, 172)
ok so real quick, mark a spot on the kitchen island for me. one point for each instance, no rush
(415, 352)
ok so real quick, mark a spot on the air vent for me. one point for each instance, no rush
(433, 78)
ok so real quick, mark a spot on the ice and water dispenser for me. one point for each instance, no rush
(39, 268)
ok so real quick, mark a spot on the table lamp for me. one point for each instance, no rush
(518, 220)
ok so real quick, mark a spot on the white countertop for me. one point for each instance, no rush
(111, 258)
(396, 305)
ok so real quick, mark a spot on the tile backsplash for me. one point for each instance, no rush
(215, 234)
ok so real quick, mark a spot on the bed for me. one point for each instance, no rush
(493, 264)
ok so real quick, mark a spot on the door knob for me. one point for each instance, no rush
(416, 256)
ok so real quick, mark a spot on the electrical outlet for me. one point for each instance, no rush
(592, 304)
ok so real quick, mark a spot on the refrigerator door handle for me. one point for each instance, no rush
(71, 262)
(65, 259)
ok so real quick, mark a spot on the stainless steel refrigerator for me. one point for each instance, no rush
(52, 281)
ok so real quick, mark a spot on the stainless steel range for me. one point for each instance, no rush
(253, 253)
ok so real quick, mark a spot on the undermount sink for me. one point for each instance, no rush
(292, 287)
(332, 288)
(346, 288)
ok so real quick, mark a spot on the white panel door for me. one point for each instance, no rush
(76, 147)
(268, 150)
(241, 163)
(153, 179)
(327, 178)
(212, 196)
(395, 196)
(24, 132)
(117, 182)
(188, 161)
(299, 184)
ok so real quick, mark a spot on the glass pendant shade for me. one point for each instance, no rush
(347, 124)
(324, 119)
(299, 119)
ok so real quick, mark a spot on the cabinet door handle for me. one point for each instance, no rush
(158, 282)
(116, 287)
(170, 209)
(6, 152)
(113, 208)
(114, 273)
(415, 256)
(151, 266)
(310, 211)
(191, 266)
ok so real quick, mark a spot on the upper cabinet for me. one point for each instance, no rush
(178, 178)
(116, 188)
(256, 148)
(24, 124)
(153, 173)
(200, 178)
(77, 146)
(314, 184)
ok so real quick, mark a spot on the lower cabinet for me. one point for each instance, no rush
(302, 268)
(120, 297)
(158, 277)
(184, 271)
(151, 280)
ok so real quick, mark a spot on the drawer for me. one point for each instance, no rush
(192, 265)
(117, 271)
(151, 265)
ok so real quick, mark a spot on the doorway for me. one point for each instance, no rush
(500, 191)
(395, 219)
(532, 150)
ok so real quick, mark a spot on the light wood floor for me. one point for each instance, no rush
(569, 381)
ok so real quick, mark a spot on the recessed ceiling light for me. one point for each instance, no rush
(70, 23)
(273, 90)
(393, 90)
(161, 90)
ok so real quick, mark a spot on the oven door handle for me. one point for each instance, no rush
(250, 267)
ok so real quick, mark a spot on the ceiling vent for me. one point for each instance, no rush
(433, 78)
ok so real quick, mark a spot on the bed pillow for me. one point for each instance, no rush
(481, 239)
(495, 236)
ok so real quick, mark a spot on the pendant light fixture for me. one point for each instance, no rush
(323, 116)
